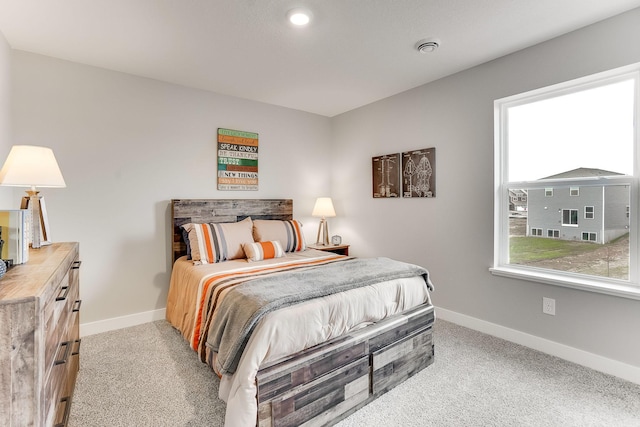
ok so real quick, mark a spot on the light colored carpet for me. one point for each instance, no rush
(148, 376)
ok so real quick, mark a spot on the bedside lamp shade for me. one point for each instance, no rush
(323, 208)
(32, 166)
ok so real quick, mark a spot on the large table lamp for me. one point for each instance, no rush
(323, 208)
(32, 166)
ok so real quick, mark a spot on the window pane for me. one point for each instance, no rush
(574, 216)
(584, 248)
(591, 128)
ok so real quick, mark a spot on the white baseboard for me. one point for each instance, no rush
(121, 322)
(581, 357)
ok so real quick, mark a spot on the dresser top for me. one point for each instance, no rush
(28, 280)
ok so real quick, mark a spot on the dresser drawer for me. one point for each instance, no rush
(57, 380)
(53, 309)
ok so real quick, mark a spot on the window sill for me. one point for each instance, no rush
(622, 290)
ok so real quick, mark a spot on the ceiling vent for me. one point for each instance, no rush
(427, 45)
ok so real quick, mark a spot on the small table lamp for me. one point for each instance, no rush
(31, 166)
(323, 208)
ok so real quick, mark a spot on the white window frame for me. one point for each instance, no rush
(555, 234)
(589, 214)
(537, 232)
(574, 191)
(570, 224)
(501, 267)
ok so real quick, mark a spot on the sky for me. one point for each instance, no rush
(591, 129)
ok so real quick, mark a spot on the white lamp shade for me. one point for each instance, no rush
(31, 166)
(323, 207)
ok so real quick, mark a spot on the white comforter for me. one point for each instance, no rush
(295, 328)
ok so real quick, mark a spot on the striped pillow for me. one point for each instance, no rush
(288, 233)
(211, 243)
(263, 250)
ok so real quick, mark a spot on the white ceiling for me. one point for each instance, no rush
(353, 53)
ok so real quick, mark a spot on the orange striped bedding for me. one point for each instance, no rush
(196, 291)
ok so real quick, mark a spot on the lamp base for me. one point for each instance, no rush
(39, 232)
(323, 230)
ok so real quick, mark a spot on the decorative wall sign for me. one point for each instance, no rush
(237, 160)
(419, 173)
(386, 176)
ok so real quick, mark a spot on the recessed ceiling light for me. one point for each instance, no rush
(299, 17)
(428, 45)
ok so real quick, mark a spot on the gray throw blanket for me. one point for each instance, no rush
(244, 306)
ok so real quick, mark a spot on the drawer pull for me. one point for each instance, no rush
(67, 407)
(67, 347)
(62, 295)
(76, 265)
(77, 352)
(77, 304)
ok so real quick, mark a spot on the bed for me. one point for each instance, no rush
(307, 361)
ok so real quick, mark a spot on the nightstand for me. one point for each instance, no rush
(336, 249)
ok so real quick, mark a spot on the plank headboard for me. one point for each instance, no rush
(203, 211)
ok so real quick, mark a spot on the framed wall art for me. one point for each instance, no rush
(386, 175)
(419, 173)
(237, 160)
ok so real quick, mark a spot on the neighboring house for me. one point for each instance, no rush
(517, 201)
(579, 213)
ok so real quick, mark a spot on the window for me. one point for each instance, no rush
(569, 217)
(573, 149)
(588, 212)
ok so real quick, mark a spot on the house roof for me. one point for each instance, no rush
(583, 173)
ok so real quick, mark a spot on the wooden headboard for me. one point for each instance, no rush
(202, 211)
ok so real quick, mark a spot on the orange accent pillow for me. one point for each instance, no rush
(263, 250)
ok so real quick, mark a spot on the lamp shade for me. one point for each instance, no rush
(323, 207)
(31, 166)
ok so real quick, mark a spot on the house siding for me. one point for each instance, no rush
(609, 220)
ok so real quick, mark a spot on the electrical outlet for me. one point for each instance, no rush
(549, 306)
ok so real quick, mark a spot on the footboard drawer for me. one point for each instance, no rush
(321, 400)
(395, 363)
(325, 383)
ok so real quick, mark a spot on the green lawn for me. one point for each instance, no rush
(527, 249)
(610, 260)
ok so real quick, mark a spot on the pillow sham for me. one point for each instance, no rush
(216, 242)
(259, 251)
(288, 233)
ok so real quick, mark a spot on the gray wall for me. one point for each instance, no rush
(452, 234)
(127, 145)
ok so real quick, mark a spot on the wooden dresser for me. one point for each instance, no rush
(39, 337)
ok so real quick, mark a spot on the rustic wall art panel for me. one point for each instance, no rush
(237, 160)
